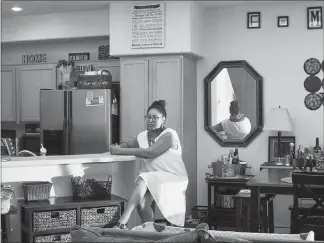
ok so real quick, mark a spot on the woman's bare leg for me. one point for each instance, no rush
(144, 208)
(137, 196)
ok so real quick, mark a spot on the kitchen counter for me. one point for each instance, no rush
(65, 160)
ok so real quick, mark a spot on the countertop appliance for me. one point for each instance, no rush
(81, 121)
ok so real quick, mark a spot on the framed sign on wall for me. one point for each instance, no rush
(314, 18)
(148, 25)
(34, 58)
(84, 56)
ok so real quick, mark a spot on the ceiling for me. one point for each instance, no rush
(217, 4)
(47, 7)
(61, 6)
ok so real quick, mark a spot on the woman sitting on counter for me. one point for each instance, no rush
(162, 176)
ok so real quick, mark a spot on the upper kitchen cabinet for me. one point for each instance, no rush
(31, 79)
(172, 78)
(134, 96)
(8, 94)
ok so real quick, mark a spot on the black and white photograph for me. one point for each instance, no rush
(283, 21)
(253, 20)
(162, 121)
(315, 17)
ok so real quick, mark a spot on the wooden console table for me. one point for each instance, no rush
(52, 220)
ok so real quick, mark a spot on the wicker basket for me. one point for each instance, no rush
(50, 220)
(102, 81)
(91, 188)
(199, 212)
(37, 191)
(53, 238)
(98, 217)
(103, 52)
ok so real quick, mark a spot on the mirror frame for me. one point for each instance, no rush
(259, 99)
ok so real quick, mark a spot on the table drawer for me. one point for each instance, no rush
(49, 220)
(100, 216)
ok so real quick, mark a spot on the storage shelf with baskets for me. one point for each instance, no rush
(51, 220)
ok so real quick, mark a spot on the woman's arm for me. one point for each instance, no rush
(158, 148)
(131, 143)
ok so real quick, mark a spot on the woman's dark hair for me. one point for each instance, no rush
(234, 108)
(160, 106)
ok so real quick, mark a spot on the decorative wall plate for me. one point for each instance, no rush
(313, 101)
(312, 84)
(312, 66)
(323, 83)
(323, 65)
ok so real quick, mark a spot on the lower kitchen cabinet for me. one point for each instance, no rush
(52, 220)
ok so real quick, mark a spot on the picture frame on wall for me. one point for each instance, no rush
(283, 21)
(314, 18)
(253, 20)
(273, 153)
(80, 56)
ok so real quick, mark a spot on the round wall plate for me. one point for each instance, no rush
(312, 66)
(313, 101)
(323, 65)
(323, 83)
(312, 84)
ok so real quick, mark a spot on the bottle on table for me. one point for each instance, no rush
(317, 150)
(236, 159)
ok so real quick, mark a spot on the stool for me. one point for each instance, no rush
(242, 202)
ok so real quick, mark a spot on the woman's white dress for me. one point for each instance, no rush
(166, 178)
(236, 130)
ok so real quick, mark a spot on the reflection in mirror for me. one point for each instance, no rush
(234, 103)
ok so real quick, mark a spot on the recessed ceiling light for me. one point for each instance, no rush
(16, 8)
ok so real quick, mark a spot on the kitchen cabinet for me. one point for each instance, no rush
(8, 94)
(31, 79)
(168, 77)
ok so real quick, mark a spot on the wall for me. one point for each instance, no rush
(53, 26)
(278, 54)
(179, 16)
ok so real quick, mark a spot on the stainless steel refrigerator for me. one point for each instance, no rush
(82, 121)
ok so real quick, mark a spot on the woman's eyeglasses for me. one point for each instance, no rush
(153, 118)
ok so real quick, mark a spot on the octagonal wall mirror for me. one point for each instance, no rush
(233, 103)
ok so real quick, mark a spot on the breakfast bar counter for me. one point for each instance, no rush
(65, 160)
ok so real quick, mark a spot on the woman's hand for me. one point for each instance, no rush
(114, 149)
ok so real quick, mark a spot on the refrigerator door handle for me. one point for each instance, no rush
(65, 137)
(69, 124)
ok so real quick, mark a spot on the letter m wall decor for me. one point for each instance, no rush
(314, 18)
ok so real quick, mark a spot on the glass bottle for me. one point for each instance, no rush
(317, 150)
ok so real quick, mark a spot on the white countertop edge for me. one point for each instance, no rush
(65, 160)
